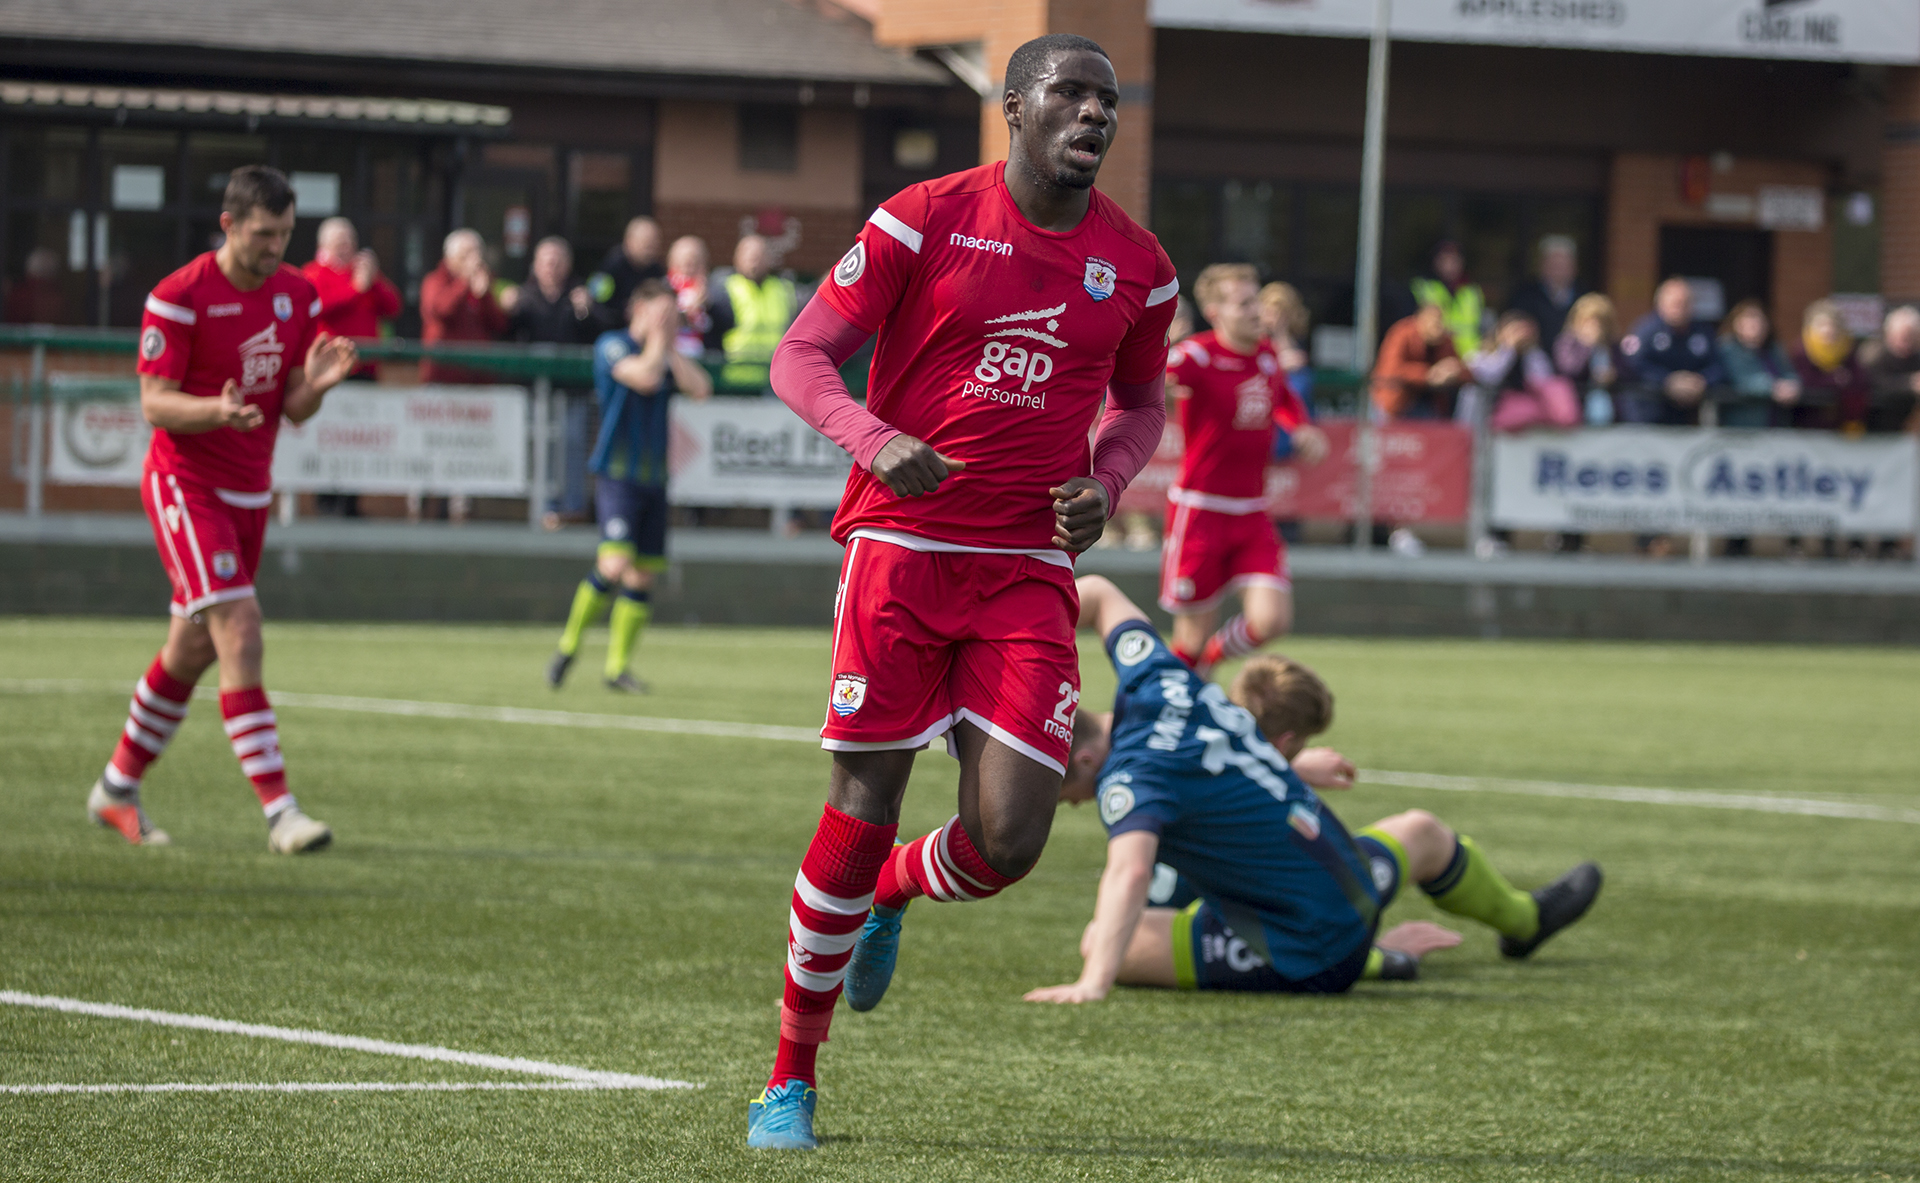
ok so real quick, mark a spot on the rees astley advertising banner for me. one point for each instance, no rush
(1833, 30)
(1723, 482)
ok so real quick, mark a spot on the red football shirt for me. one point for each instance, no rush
(996, 344)
(202, 331)
(1234, 402)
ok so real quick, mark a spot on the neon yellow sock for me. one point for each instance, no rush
(630, 615)
(1470, 887)
(589, 600)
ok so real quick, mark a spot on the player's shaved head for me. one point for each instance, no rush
(1032, 62)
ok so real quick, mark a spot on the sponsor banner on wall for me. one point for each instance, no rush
(366, 439)
(751, 451)
(1838, 30)
(1423, 472)
(97, 442)
(1723, 482)
(394, 439)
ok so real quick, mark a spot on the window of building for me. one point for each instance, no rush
(769, 138)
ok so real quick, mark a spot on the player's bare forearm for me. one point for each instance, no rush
(1123, 896)
(642, 372)
(1103, 606)
(166, 406)
(690, 376)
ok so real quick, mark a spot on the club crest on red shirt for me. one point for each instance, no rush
(1100, 278)
(283, 305)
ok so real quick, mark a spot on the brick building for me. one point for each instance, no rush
(120, 118)
(1770, 145)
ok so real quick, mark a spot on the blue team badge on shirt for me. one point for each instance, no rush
(1101, 277)
(283, 305)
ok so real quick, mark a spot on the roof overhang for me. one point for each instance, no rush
(126, 104)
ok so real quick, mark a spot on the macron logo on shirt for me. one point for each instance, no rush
(980, 244)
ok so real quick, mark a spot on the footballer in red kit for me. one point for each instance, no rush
(1009, 303)
(1238, 414)
(229, 346)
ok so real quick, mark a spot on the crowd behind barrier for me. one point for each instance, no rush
(1449, 377)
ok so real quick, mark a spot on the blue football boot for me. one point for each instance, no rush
(782, 1119)
(870, 969)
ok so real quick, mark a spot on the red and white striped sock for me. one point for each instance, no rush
(1236, 638)
(942, 865)
(256, 744)
(831, 896)
(158, 707)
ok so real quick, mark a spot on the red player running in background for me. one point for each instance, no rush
(1007, 300)
(1237, 414)
(228, 347)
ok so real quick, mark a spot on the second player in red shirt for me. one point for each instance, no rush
(1007, 302)
(229, 347)
(1234, 406)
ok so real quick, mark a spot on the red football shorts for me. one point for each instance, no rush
(1207, 554)
(209, 545)
(923, 640)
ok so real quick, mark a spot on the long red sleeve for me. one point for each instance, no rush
(806, 376)
(1129, 432)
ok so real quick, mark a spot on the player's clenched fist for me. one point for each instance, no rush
(237, 412)
(1079, 513)
(910, 467)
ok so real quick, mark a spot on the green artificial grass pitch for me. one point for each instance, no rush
(1742, 1003)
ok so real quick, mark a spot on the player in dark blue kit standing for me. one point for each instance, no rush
(1288, 900)
(635, 371)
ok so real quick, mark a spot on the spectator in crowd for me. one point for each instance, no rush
(1418, 372)
(1462, 305)
(1587, 354)
(457, 304)
(551, 308)
(1550, 296)
(1834, 387)
(1670, 360)
(354, 296)
(758, 308)
(687, 266)
(633, 262)
(35, 298)
(1520, 380)
(1893, 369)
(1284, 319)
(1760, 376)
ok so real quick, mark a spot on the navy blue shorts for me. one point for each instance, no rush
(633, 518)
(1207, 955)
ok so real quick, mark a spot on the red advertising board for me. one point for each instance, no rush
(1423, 473)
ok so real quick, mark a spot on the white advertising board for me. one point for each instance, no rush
(366, 439)
(390, 439)
(1657, 479)
(751, 451)
(1833, 30)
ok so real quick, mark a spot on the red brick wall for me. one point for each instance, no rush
(1644, 195)
(825, 235)
(1900, 187)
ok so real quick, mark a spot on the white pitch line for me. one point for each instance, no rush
(1698, 798)
(323, 1086)
(378, 1047)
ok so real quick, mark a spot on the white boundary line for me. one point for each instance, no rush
(1698, 798)
(579, 1077)
(317, 1086)
(1701, 798)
